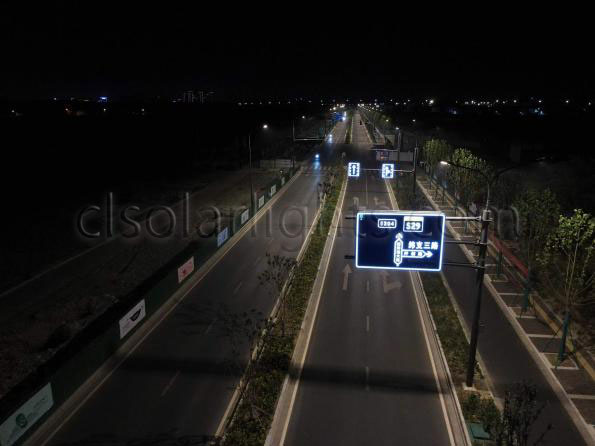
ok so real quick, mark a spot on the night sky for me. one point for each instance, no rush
(74, 49)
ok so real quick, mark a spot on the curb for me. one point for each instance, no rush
(283, 409)
(61, 415)
(567, 403)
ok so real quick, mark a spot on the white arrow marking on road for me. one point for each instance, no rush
(377, 202)
(389, 286)
(346, 272)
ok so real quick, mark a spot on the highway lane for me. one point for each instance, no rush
(177, 383)
(504, 355)
(367, 378)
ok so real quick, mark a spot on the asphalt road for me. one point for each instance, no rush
(177, 383)
(367, 378)
(506, 358)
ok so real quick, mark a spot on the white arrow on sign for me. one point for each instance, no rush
(346, 272)
(416, 253)
(389, 286)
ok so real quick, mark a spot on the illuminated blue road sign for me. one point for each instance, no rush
(353, 169)
(406, 240)
(388, 170)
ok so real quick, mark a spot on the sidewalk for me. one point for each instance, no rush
(569, 381)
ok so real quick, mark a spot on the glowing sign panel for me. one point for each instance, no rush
(404, 240)
(388, 170)
(353, 169)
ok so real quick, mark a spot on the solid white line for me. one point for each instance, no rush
(170, 383)
(426, 336)
(309, 335)
(161, 317)
(581, 397)
(210, 326)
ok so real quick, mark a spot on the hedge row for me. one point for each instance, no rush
(254, 415)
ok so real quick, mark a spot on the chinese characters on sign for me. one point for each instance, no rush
(399, 240)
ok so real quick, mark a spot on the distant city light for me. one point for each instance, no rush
(265, 126)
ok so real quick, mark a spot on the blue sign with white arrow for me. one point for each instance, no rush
(406, 240)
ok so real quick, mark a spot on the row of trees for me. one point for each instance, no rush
(558, 249)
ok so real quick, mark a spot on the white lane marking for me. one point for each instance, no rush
(545, 336)
(237, 288)
(367, 378)
(258, 259)
(367, 286)
(210, 326)
(425, 332)
(161, 317)
(346, 272)
(368, 323)
(581, 397)
(302, 360)
(386, 286)
(510, 294)
(170, 383)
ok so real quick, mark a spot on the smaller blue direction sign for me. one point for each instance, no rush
(406, 240)
(388, 170)
(353, 169)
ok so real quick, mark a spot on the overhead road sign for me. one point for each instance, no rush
(405, 240)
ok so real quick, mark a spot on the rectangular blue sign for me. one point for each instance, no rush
(406, 240)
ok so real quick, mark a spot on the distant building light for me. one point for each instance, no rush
(102, 98)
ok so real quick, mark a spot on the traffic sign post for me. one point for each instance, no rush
(399, 240)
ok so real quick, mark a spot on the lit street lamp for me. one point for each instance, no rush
(479, 266)
(264, 126)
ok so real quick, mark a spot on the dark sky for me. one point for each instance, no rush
(71, 49)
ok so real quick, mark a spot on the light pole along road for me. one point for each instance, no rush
(369, 375)
(175, 385)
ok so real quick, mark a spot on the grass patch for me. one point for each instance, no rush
(255, 412)
(476, 409)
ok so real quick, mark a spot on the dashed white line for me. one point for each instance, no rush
(367, 323)
(237, 288)
(170, 383)
(210, 326)
(367, 378)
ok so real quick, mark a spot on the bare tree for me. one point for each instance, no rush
(274, 278)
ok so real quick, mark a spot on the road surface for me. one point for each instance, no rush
(367, 377)
(177, 384)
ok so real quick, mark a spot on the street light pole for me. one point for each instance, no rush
(480, 267)
(250, 174)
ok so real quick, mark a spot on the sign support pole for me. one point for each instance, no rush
(480, 266)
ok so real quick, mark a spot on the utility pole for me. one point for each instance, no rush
(480, 268)
(250, 175)
(414, 170)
